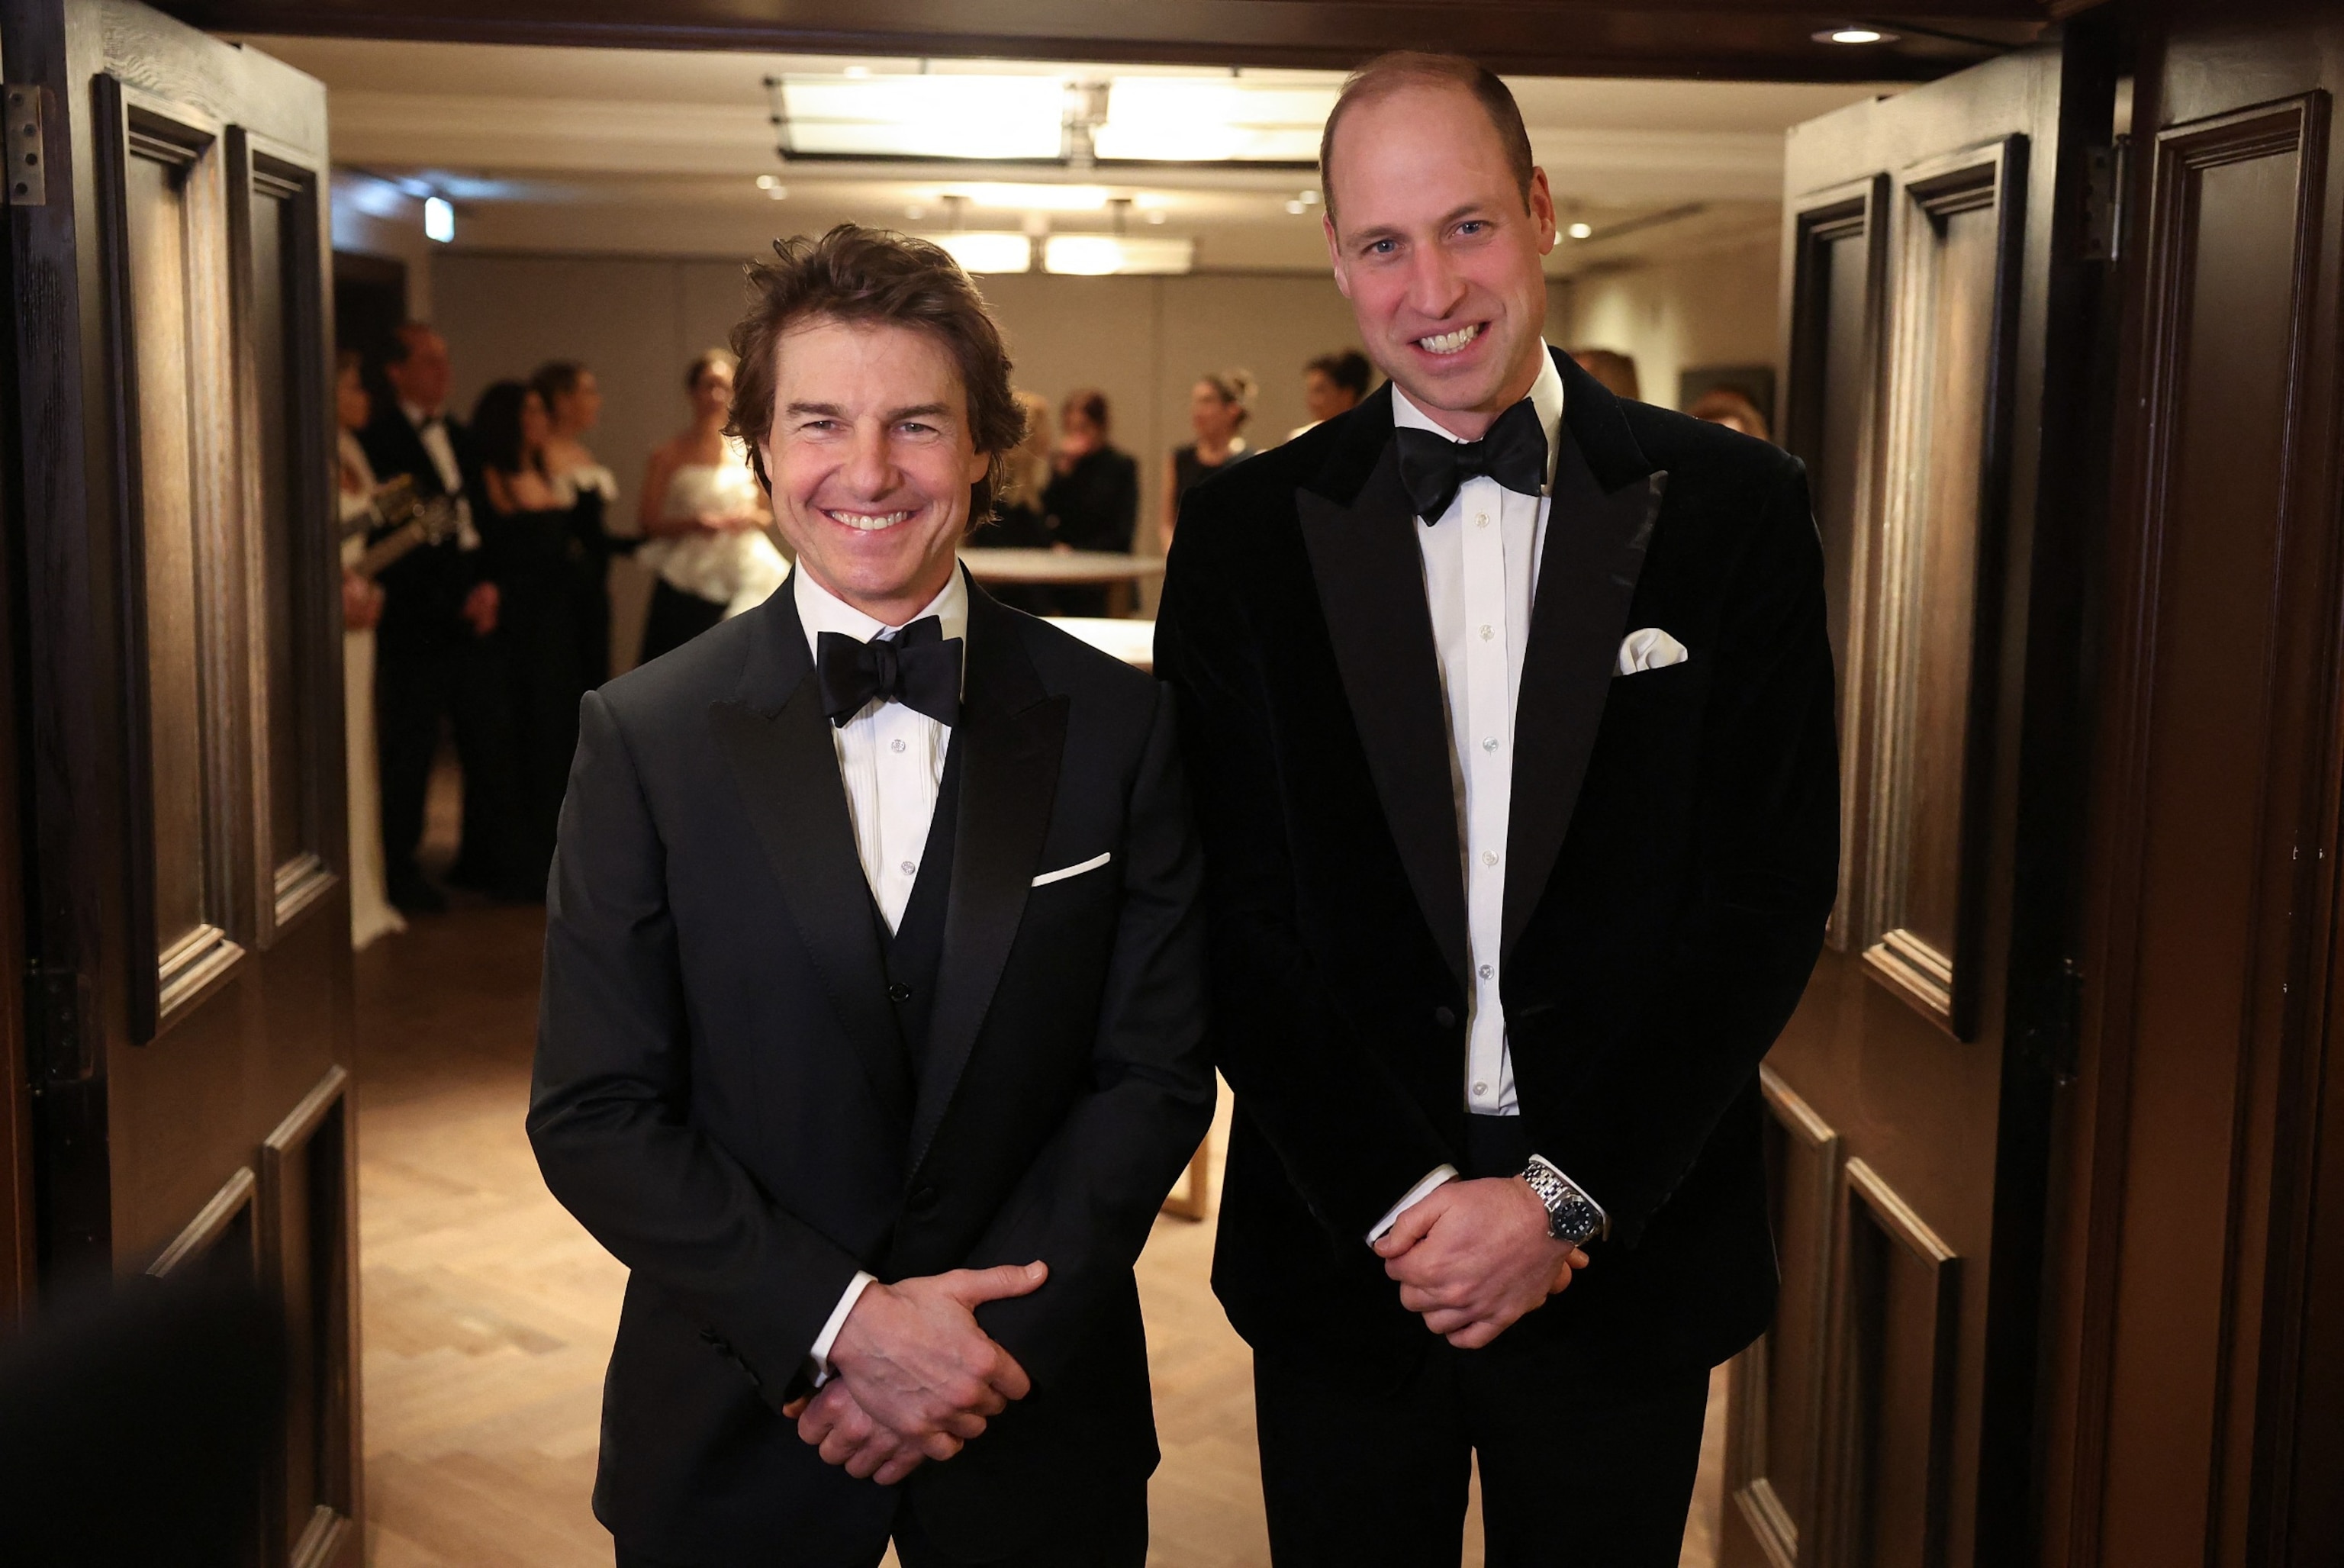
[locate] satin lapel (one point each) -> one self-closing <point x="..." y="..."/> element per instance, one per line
<point x="1371" y="577"/>
<point x="1595" y="552"/>
<point x="786" y="765"/>
<point x="1013" y="734"/>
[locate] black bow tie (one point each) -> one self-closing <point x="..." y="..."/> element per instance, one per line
<point x="918" y="667"/>
<point x="1432" y="466"/>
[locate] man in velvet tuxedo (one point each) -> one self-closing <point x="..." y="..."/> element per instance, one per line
<point x="872" y="1026"/>
<point x="1508" y="707"/>
<point x="436" y="654"/>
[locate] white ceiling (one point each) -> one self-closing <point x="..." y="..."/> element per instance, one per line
<point x="658" y="152"/>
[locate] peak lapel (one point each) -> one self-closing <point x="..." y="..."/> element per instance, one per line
<point x="786" y="765"/>
<point x="1370" y="579"/>
<point x="1595" y="552"/>
<point x="1012" y="735"/>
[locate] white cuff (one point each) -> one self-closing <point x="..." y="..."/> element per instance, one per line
<point x="1605" y="1229"/>
<point x="818" y="1359"/>
<point x="1410" y="1198"/>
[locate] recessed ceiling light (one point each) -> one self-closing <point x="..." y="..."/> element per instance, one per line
<point x="766" y="182"/>
<point x="1310" y="197"/>
<point x="1297" y="208"/>
<point x="858" y="71"/>
<point x="1158" y="216"/>
<point x="778" y="192"/>
<point x="1578" y="231"/>
<point x="915" y="213"/>
<point x="1855" y="35"/>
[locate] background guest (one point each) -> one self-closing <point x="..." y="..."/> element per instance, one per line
<point x="1333" y="384"/>
<point x="1092" y="502"/>
<point x="1616" y="371"/>
<point x="434" y="658"/>
<point x="1018" y="522"/>
<point x="529" y="531"/>
<point x="573" y="406"/>
<point x="705" y="516"/>
<point x="1724" y="405"/>
<point x="1218" y="406"/>
<point x="371" y="912"/>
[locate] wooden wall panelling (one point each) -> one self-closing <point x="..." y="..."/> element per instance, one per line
<point x="1837" y="250"/>
<point x="1896" y="1316"/>
<point x="180" y="543"/>
<point x="2216" y="860"/>
<point x="221" y="1235"/>
<point x="308" y="1213"/>
<point x="19" y="1225"/>
<point x="1958" y="225"/>
<point x="1775" y="1441"/>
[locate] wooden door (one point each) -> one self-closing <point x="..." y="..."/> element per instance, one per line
<point x="180" y="742"/>
<point x="1933" y="293"/>
<point x="2199" y="1386"/>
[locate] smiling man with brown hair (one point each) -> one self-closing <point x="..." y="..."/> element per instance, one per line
<point x="872" y="1031"/>
<point x="1508" y="706"/>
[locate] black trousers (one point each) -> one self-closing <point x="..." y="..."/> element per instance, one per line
<point x="422" y="675"/>
<point x="1115" y="1537"/>
<point x="1584" y="1461"/>
<point x="674" y="618"/>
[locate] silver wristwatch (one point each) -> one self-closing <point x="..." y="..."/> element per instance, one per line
<point x="1571" y="1216"/>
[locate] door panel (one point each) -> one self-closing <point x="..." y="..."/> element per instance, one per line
<point x="189" y="925"/>
<point x="2196" y="1328"/>
<point x="1919" y="258"/>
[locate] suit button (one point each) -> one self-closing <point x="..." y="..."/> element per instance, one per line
<point x="899" y="992"/>
<point x="923" y="1201"/>
<point x="1445" y="1017"/>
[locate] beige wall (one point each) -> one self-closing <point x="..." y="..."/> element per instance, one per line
<point x="1718" y="308"/>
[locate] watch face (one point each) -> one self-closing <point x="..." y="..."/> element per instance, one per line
<point x="1575" y="1221"/>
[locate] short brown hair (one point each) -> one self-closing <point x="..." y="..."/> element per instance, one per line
<point x="1386" y="74"/>
<point x="873" y="275"/>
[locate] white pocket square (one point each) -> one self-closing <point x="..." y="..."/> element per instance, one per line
<point x="1093" y="863"/>
<point x="1651" y="649"/>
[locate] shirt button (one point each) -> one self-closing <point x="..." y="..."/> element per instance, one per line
<point x="899" y="992"/>
<point x="1486" y="633"/>
<point x="1488" y="857"/>
<point x="1481" y="1088"/>
<point x="894" y="745"/>
<point x="1481" y="520"/>
<point x="908" y="868"/>
<point x="1487" y="970"/>
<point x="1489" y="744"/>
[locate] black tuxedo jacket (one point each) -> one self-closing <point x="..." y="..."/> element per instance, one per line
<point x="424" y="589"/>
<point x="1672" y="853"/>
<point x="720" y="1093"/>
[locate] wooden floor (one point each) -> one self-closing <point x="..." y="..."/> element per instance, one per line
<point x="488" y="1313"/>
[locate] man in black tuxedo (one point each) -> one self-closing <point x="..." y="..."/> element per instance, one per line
<point x="1507" y="705"/>
<point x="873" y="1028"/>
<point x="435" y="650"/>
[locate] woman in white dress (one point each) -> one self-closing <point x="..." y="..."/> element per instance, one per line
<point x="705" y="520"/>
<point x="573" y="406"/>
<point x="371" y="914"/>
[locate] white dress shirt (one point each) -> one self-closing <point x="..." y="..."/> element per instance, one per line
<point x="891" y="759"/>
<point x="1481" y="560"/>
<point x="431" y="429"/>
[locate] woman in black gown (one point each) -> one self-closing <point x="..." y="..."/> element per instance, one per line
<point x="1093" y="499"/>
<point x="529" y="532"/>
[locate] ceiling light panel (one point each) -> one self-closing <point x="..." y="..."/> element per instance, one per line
<point x="1005" y="195"/>
<point x="979" y="251"/>
<point x="925" y="116"/>
<point x="1174" y="119"/>
<point x="1099" y="255"/>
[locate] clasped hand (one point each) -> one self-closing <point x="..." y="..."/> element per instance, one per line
<point x="913" y="1376"/>
<point x="1472" y="1257"/>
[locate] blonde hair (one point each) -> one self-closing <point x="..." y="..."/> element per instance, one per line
<point x="1232" y="386"/>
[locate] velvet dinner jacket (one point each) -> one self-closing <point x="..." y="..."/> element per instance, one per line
<point x="722" y="1099"/>
<point x="1671" y="858"/>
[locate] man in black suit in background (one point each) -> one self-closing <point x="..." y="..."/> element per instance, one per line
<point x="435" y="650"/>
<point x="873" y="1028"/>
<point x="1508" y="710"/>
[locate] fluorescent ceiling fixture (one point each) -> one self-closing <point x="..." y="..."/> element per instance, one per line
<point x="1187" y="120"/>
<point x="926" y="117"/>
<point x="1098" y="255"/>
<point x="1854" y="35"/>
<point x="1579" y="231"/>
<point x="1012" y="197"/>
<point x="982" y="252"/>
<point x="439" y="220"/>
